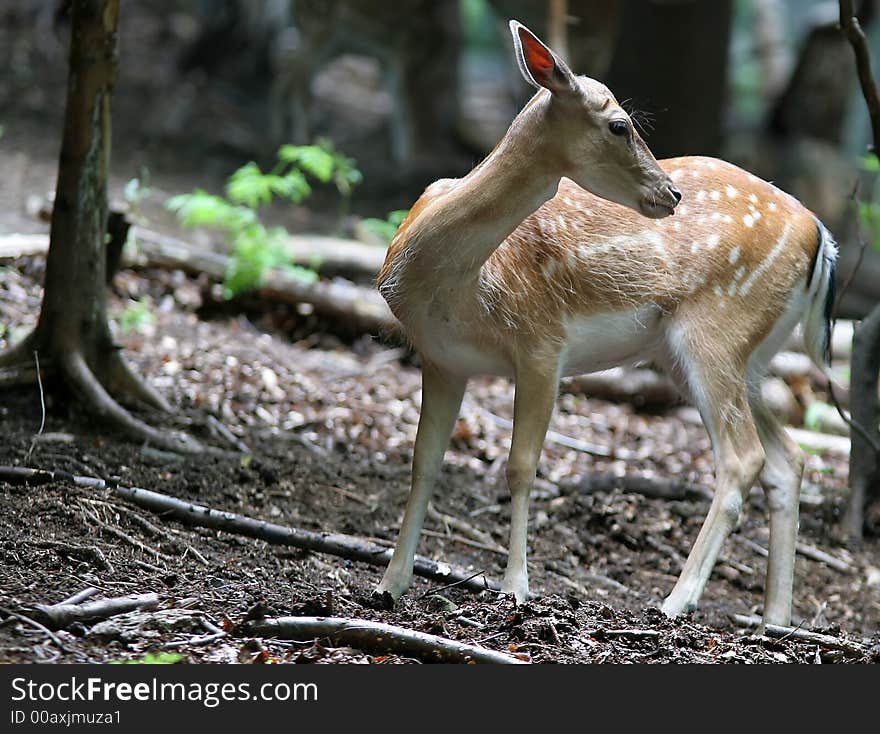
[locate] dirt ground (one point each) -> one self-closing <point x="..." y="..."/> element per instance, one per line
<point x="330" y="419"/>
<point x="330" y="422"/>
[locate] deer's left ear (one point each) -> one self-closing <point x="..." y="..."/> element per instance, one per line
<point x="538" y="64"/>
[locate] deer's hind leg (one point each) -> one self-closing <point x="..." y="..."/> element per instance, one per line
<point x="716" y="381"/>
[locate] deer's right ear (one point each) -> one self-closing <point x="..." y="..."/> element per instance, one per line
<point x="538" y="64"/>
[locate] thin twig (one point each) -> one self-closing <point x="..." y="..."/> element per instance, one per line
<point x="42" y="408"/>
<point x="464" y="541"/>
<point x="795" y="634"/>
<point x="336" y="544"/>
<point x="450" y="586"/>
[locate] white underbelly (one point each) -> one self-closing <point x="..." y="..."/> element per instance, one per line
<point x="601" y="341"/>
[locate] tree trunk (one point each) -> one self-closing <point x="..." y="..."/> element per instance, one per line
<point x="72" y="332"/>
<point x="671" y="62"/>
<point x="863" y="512"/>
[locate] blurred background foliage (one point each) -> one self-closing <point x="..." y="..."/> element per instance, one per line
<point x="415" y="90"/>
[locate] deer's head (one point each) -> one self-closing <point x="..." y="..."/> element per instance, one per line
<point x="588" y="136"/>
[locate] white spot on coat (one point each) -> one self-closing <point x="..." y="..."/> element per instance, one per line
<point x="731" y="192"/>
<point x="713" y="241"/>
<point x="734" y="255"/>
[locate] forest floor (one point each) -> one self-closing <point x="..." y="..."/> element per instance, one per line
<point x="330" y="418"/>
<point x="330" y="421"/>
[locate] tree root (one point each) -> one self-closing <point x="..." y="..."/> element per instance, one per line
<point x="122" y="381"/>
<point x="19" y="356"/>
<point x="77" y="374"/>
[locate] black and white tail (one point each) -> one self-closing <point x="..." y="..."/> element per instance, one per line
<point x="817" y="318"/>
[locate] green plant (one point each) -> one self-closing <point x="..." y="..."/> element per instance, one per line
<point x="386" y="228"/>
<point x="135" y="316"/>
<point x="154" y="658"/>
<point x="869" y="210"/>
<point x="256" y="247"/>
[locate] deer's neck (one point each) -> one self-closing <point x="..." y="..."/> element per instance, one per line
<point x="459" y="229"/>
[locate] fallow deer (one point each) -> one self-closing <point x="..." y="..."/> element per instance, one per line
<point x="557" y="255"/>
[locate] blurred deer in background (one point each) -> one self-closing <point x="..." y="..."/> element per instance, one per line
<point x="557" y="255"/>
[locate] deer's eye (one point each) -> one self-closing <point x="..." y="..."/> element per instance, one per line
<point x="618" y="127"/>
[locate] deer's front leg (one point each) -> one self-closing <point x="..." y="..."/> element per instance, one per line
<point x="441" y="400"/>
<point x="536" y="388"/>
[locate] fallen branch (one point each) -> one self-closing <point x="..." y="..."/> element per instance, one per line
<point x="359" y="306"/>
<point x="655" y="487"/>
<point x="778" y="632"/>
<point x="36" y="625"/>
<point x="642" y="387"/>
<point x="813" y="441"/>
<point x="335" y="544"/>
<point x="376" y="637"/>
<point x="636" y="634"/>
<point x="586" y="447"/>
<point x="79" y="597"/>
<point x="815" y="554"/>
<point x="802" y="549"/>
<point x="59" y="616"/>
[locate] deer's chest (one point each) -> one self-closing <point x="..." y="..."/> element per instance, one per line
<point x="447" y="330"/>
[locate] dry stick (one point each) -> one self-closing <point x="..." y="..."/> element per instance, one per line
<point x="122" y="535"/>
<point x="34" y="623"/>
<point x="816" y="554"/>
<point x="464" y="541"/>
<point x="59" y="616"/>
<point x="214" y="634"/>
<point x="634" y="633"/>
<point x="586" y="447"/>
<point x="655" y="487"/>
<point x="153" y="530"/>
<point x="431" y="592"/>
<point x="807" y="551"/>
<point x="79" y="597"/>
<point x="779" y="632"/>
<point x="335" y="544"/>
<point x="377" y="637"/>
<point x="234" y="440"/>
<point x="466" y="529"/>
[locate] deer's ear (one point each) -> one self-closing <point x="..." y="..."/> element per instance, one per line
<point x="538" y="64"/>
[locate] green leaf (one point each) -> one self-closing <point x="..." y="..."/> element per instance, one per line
<point x="815" y="412"/>
<point x="302" y="274"/>
<point x="292" y="186"/>
<point x="135" y="316"/>
<point x="386" y="228"/>
<point x="312" y="159"/>
<point x="155" y="658"/>
<point x="201" y="209"/>
<point x="871" y="163"/>
<point x="250" y="186"/>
